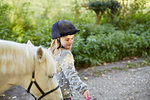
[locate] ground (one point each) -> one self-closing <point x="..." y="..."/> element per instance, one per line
<point x="118" y="81"/>
<point x="123" y="80"/>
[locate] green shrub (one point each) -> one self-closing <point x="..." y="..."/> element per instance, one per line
<point x="102" y="48"/>
<point x="5" y="27"/>
<point x="94" y="44"/>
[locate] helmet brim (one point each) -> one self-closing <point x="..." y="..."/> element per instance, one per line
<point x="69" y="33"/>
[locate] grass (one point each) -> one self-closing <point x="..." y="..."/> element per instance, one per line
<point x="128" y="66"/>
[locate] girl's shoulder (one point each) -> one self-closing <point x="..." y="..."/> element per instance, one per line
<point x="66" y="52"/>
<point x="65" y="56"/>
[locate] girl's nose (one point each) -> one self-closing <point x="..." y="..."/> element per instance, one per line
<point x="71" y="41"/>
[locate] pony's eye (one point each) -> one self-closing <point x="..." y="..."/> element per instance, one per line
<point x="50" y="76"/>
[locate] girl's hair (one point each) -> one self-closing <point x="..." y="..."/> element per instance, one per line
<point x="54" y="47"/>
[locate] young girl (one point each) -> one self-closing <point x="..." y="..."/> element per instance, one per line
<point x="63" y="35"/>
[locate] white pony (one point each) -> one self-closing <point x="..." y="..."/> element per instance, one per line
<point x="19" y="61"/>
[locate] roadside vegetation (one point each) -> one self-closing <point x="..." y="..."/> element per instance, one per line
<point x="128" y="65"/>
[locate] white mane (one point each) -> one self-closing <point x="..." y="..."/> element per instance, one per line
<point x="17" y="58"/>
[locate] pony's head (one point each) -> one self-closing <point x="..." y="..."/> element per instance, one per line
<point x="45" y="68"/>
<point x="43" y="58"/>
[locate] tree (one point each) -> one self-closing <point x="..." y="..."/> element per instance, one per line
<point x="114" y="8"/>
<point x="99" y="7"/>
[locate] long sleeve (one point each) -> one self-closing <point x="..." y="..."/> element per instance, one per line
<point x="67" y="65"/>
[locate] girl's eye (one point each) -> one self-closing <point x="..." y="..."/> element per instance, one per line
<point x="67" y="39"/>
<point x="70" y="39"/>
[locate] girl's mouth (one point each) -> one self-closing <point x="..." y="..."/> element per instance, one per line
<point x="69" y="45"/>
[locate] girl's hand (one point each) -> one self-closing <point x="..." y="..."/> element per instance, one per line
<point x="86" y="95"/>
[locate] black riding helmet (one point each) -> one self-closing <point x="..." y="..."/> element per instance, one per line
<point x="63" y="28"/>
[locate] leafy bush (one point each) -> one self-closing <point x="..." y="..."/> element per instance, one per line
<point x="113" y="46"/>
<point x="5" y="26"/>
<point x="94" y="44"/>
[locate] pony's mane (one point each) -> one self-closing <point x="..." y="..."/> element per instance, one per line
<point x="16" y="57"/>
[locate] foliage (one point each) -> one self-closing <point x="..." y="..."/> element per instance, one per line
<point x="5" y="27"/>
<point x="126" y="36"/>
<point x="17" y="24"/>
<point x="137" y="6"/>
<point x="76" y="8"/>
<point x="101" y="6"/>
<point x="114" y="8"/>
<point x="130" y="12"/>
<point x="102" y="48"/>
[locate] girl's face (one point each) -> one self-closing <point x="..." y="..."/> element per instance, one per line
<point x="67" y="41"/>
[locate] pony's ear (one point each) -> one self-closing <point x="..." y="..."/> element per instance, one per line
<point x="40" y="54"/>
<point x="29" y="43"/>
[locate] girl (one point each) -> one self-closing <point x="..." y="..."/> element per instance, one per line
<point x="63" y="35"/>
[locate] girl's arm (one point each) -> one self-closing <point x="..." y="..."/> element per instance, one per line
<point x="67" y="65"/>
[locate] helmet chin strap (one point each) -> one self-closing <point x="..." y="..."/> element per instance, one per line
<point x="60" y="46"/>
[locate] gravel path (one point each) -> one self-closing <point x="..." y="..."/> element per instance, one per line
<point x="115" y="84"/>
<point x="133" y="84"/>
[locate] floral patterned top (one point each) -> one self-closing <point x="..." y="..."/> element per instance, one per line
<point x="67" y="76"/>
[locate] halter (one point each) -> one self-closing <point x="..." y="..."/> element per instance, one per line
<point x="33" y="80"/>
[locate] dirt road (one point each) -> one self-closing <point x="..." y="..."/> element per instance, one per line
<point x="131" y="84"/>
